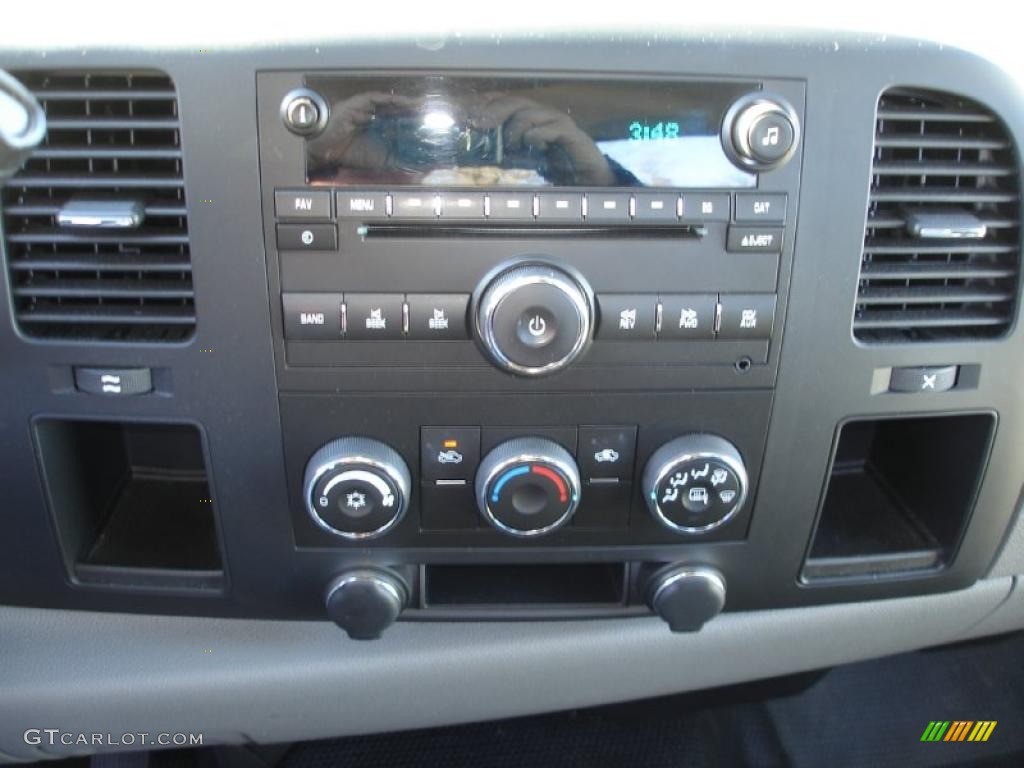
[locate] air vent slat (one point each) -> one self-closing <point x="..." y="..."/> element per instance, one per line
<point x="911" y="168"/>
<point x="111" y="123"/>
<point x="939" y="142"/>
<point x="111" y="136"/>
<point x="77" y="289"/>
<point x="919" y="113"/>
<point x="923" y="270"/>
<point x="128" y="94"/>
<point x="150" y="237"/>
<point x="103" y="153"/>
<point x="898" y="320"/>
<point x="143" y="262"/>
<point x="951" y="195"/>
<point x="96" y="181"/>
<point x="876" y="247"/>
<point x="937" y="295"/>
<point x="111" y="315"/>
<point x="939" y="157"/>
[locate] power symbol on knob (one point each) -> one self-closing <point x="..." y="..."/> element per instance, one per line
<point x="537" y="326"/>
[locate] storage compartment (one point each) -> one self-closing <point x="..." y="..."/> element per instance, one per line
<point x="899" y="495"/>
<point x="524" y="585"/>
<point x="131" y="503"/>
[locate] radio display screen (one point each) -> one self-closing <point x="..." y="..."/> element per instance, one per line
<point x="455" y="131"/>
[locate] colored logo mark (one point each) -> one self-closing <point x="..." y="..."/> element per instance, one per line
<point x="958" y="730"/>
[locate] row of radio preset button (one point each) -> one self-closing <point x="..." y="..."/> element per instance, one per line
<point x="554" y="207"/>
<point x="690" y="317"/>
<point x="375" y="316"/>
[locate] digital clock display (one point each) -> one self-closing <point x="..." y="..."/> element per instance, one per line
<point x="663" y="129"/>
<point x="450" y="131"/>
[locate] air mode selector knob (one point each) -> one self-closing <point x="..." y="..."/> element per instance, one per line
<point x="528" y="486"/>
<point x="695" y="483"/>
<point x="356" y="488"/>
<point x="534" y="318"/>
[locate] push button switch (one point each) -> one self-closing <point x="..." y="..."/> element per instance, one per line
<point x="754" y="240"/>
<point x="374" y="316"/>
<point x="302" y="204"/>
<point x="307" y="237"/>
<point x="449" y="453"/>
<point x="607" y="453"/>
<point x="312" y="316"/>
<point x="114" y="382"/>
<point x="362" y="205"/>
<point x="747" y="316"/>
<point x="627" y="316"/>
<point x="766" y="208"/>
<point x="438" y="316"/>
<point x="923" y="378"/>
<point x="690" y="317"/>
<point x="700" y="208"/>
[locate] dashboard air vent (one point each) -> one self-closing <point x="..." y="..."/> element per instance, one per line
<point x="95" y="223"/>
<point x="942" y="243"/>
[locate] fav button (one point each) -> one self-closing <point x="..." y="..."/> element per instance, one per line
<point x="438" y="316"/>
<point x="374" y="316"/>
<point x="627" y="316"/>
<point x="302" y="204"/>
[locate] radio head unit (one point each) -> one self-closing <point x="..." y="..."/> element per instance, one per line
<point x="457" y="131"/>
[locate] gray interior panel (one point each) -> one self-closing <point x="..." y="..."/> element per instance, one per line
<point x="238" y="681"/>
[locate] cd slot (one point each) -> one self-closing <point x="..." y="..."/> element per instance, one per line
<point x="420" y="230"/>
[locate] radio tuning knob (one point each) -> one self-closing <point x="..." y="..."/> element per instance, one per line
<point x="534" y="318"/>
<point x="760" y="132"/>
<point x="696" y="483"/>
<point x="356" y="488"/>
<point x="528" y="486"/>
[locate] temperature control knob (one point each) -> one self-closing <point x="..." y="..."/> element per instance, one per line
<point x="695" y="483"/>
<point x="760" y="132"/>
<point x="356" y="488"/>
<point x="528" y="486"/>
<point x="533" y="318"/>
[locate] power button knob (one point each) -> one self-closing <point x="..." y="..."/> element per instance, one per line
<point x="533" y="319"/>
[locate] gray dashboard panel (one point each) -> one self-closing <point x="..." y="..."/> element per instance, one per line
<point x="238" y="681"/>
<point x="267" y="681"/>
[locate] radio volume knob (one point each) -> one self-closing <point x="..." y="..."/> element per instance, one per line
<point x="534" y="318"/>
<point x="356" y="488"/>
<point x="760" y="132"/>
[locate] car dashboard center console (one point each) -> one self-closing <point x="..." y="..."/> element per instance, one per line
<point x="426" y="339"/>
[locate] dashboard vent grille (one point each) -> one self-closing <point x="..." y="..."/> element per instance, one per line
<point x="113" y="140"/>
<point x="945" y="165"/>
